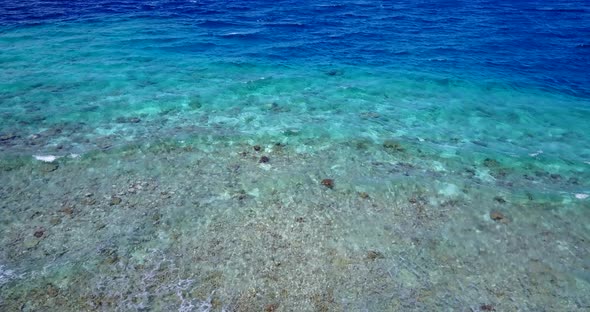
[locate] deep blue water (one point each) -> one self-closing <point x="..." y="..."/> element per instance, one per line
<point x="543" y="43"/>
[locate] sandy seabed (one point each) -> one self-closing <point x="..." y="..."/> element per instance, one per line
<point x="233" y="224"/>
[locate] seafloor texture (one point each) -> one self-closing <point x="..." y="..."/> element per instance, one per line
<point x="197" y="156"/>
<point x="211" y="224"/>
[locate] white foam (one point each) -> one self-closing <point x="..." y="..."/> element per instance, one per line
<point x="582" y="196"/>
<point x="46" y="158"/>
<point x="6" y="275"/>
<point x="450" y="190"/>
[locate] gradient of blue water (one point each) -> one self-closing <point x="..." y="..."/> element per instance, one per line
<point x="474" y="97"/>
<point x="510" y="75"/>
<point x="523" y="42"/>
<point x="496" y="79"/>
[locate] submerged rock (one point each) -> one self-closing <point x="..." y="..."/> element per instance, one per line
<point x="39" y="233"/>
<point x="480" y="143"/>
<point x="51" y="290"/>
<point x="195" y="103"/>
<point x="55" y="221"/>
<point x="110" y="255"/>
<point x="271" y="308"/>
<point x="241" y="195"/>
<point x="334" y="72"/>
<point x="329" y="183"/>
<point x="8" y="137"/>
<point x="573" y="181"/>
<point x="393" y="145"/>
<point x="12" y="163"/>
<point x="88" y="201"/>
<point x="278" y="148"/>
<point x="499" y="174"/>
<point x="369" y="115"/>
<point x="68" y="210"/>
<point x="360" y="144"/>
<point x="274" y="107"/>
<point x="374" y="255"/>
<point x="104" y="145"/>
<point x="498" y="217"/>
<point x="128" y="119"/>
<point x="500" y="199"/>
<point x="491" y="163"/>
<point x="115" y="200"/>
<point x="264" y="160"/>
<point x="49" y="167"/>
<point x="31" y="242"/>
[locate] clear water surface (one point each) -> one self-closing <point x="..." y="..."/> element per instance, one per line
<point x="294" y="155"/>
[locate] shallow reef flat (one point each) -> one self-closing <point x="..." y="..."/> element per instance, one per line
<point x="294" y="156"/>
<point x="240" y="223"/>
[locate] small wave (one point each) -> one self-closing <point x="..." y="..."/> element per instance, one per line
<point x="216" y="24"/>
<point x="392" y="18"/>
<point x="286" y="25"/>
<point x="151" y="41"/>
<point x="239" y="8"/>
<point x="241" y="34"/>
<point x="568" y="10"/>
<point x="329" y="5"/>
<point x="354" y="15"/>
<point x="192" y="47"/>
<point x="211" y="12"/>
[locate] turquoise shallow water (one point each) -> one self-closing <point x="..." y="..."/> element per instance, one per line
<point x="63" y="78"/>
<point x="204" y="164"/>
<point x="77" y="88"/>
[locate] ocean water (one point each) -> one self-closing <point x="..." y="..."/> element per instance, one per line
<point x="294" y="156"/>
